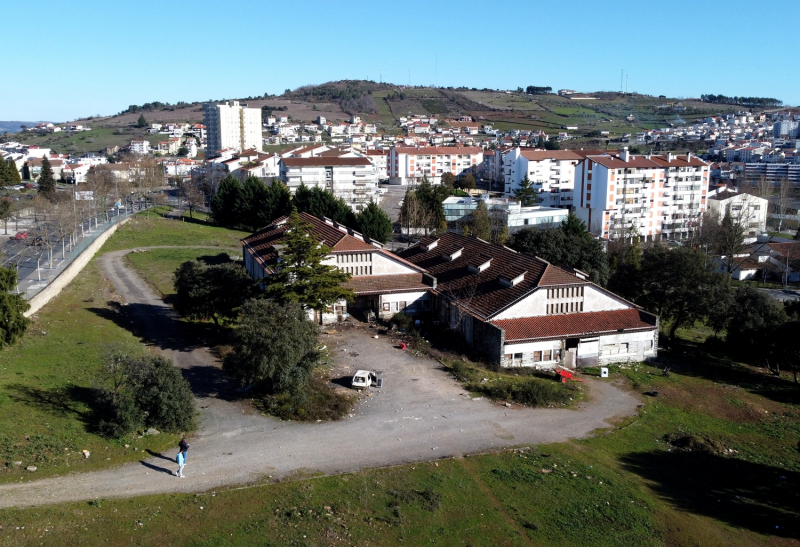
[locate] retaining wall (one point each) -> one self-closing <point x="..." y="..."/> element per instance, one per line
<point x="71" y="271"/>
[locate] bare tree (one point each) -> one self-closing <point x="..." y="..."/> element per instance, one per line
<point x="783" y="200"/>
<point x="193" y="196"/>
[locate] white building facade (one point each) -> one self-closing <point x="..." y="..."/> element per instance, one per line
<point x="231" y="125"/>
<point x="552" y="173"/>
<point x="408" y="165"/>
<point x="355" y="180"/>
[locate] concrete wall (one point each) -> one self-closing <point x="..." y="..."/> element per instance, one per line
<point x="71" y="271"/>
<point x="488" y="340"/>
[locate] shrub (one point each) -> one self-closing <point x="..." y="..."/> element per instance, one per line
<point x="316" y="402"/>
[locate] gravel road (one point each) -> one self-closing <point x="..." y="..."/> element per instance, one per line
<point x="420" y="414"/>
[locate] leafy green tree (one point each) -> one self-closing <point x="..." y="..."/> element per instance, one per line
<point x="678" y="285"/>
<point x="322" y="203"/>
<point x="13" y="173"/>
<point x="224" y="206"/>
<point x="467" y="182"/>
<point x="557" y="247"/>
<point x="47" y="183"/>
<point x="552" y="144"/>
<point x="430" y="199"/>
<point x="526" y="193"/>
<point x="183" y="151"/>
<point x="141" y="122"/>
<point x="143" y="391"/>
<point x="301" y="275"/>
<point x="449" y="180"/>
<point x="275" y="346"/>
<point x="211" y="291"/>
<point x="5" y="175"/>
<point x="374" y="223"/>
<point x="13" y="323"/>
<point x="480" y="226"/>
<point x="753" y="315"/>
<point x="573" y="226"/>
<point x="6" y="210"/>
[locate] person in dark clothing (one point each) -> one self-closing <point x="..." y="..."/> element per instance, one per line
<point x="183" y="446"/>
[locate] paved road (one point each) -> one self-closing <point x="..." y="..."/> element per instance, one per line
<point x="782" y="295"/>
<point x="421" y="414"/>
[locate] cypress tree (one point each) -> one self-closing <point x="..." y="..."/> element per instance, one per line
<point x="374" y="223"/>
<point x="47" y="183"/>
<point x="13" y="173"/>
<point x="480" y="226"/>
<point x="142" y="122"/>
<point x="12" y="306"/>
<point x="5" y="178"/>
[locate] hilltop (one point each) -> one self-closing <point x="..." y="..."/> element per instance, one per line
<point x="384" y="103"/>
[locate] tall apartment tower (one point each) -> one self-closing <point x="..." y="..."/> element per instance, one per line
<point x="231" y="125"/>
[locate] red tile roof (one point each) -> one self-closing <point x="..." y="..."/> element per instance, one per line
<point x="576" y="324"/>
<point x="539" y="155"/>
<point x="679" y="161"/>
<point x="482" y="293"/>
<point x="437" y="150"/>
<point x="387" y="284"/>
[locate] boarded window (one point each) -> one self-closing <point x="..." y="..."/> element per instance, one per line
<point x="546" y="355"/>
<point x="537" y="356"/>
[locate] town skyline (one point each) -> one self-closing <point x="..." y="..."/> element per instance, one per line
<point x="578" y="47"/>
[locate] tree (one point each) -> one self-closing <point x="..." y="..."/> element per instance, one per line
<point x="193" y="196"/>
<point x="449" y="180"/>
<point x="479" y="226"/>
<point x="275" y="346"/>
<point x="47" y="183"/>
<point x="211" y="291"/>
<point x="467" y="182"/>
<point x="14" y="177"/>
<point x="142" y="391"/>
<point x="573" y="226"/>
<point x="322" y="203"/>
<point x="552" y="144"/>
<point x="526" y="194"/>
<point x="430" y="200"/>
<point x="5" y="175"/>
<point x="753" y="315"/>
<point x="374" y="223"/>
<point x="141" y="122"/>
<point x="183" y="151"/>
<point x="677" y="284"/>
<point x="226" y="200"/>
<point x="729" y="241"/>
<point x="6" y="210"/>
<point x="301" y="275"/>
<point x="13" y="323"/>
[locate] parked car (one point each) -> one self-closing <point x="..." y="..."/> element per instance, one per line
<point x="363" y="379"/>
<point x="29" y="185"/>
<point x="21" y="235"/>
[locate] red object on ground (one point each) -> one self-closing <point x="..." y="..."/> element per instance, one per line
<point x="402" y="345"/>
<point x="565" y="375"/>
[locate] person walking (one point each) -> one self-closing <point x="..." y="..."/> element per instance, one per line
<point x="183" y="446"/>
<point x="181" y="460"/>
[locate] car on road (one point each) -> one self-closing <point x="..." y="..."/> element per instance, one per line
<point x="363" y="379"/>
<point x="29" y="185"/>
<point x="21" y="235"/>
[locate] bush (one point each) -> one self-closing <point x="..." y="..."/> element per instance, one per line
<point x="318" y="401"/>
<point x="145" y="392"/>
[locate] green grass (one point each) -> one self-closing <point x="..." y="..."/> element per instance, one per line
<point x="141" y="232"/>
<point x="158" y="265"/>
<point x="88" y="141"/>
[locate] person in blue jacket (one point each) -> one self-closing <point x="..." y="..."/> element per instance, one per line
<point x="181" y="459"/>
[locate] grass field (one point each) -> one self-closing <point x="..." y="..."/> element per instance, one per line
<point x="88" y="141"/>
<point x="158" y="265"/>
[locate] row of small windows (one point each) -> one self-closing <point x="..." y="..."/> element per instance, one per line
<point x="565" y="292"/>
<point x="564" y="307"/>
<point x="357" y="270"/>
<point x="353" y="258"/>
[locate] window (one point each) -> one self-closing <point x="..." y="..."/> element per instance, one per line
<point x="537" y="356"/>
<point x="546" y="355"/>
<point x="387" y="306"/>
<point x="402" y="305"/>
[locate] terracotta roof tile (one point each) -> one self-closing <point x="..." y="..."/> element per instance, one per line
<point x="539" y="155"/>
<point x="386" y="284"/>
<point x="324" y="161"/>
<point x="576" y="324"/>
<point x="482" y="293"/>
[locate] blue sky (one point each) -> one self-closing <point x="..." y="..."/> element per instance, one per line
<point x="75" y="59"/>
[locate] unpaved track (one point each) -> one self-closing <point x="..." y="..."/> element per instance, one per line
<point x="421" y="414"/>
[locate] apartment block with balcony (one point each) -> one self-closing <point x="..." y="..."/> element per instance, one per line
<point x="409" y="165"/>
<point x="355" y="180"/>
<point x="552" y="173"/>
<point x="655" y="196"/>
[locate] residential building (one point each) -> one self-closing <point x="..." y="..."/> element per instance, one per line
<point x="231" y="125"/>
<point x="141" y="147"/>
<point x="552" y="173"/>
<point x="745" y="209"/>
<point x="379" y="158"/>
<point x="383" y="283"/>
<point x="519" y="310"/>
<point x="408" y="165"/>
<point x="654" y="196"/>
<point x="773" y="173"/>
<point x="510" y="213"/>
<point x="354" y="179"/>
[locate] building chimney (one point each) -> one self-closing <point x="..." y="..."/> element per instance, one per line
<point x="623" y="154"/>
<point x="670" y="156"/>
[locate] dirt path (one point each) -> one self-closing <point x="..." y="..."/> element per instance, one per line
<point x="421" y="414"/>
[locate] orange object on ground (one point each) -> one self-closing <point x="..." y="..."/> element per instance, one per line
<point x="402" y="345"/>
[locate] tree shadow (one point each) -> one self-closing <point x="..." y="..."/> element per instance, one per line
<point x="61" y="401"/>
<point x="215" y="260"/>
<point x="753" y="496"/>
<point x="696" y="361"/>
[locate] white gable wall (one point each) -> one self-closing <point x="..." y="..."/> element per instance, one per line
<point x="596" y="300"/>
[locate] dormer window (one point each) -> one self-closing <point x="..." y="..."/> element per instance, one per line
<point x="454" y="255"/>
<point x="511" y="281"/>
<point x="478" y="267"/>
<point x="428" y="246"/>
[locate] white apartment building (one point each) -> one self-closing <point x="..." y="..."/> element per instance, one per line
<point x="662" y="197"/>
<point x="355" y="180"/>
<point x="379" y="158"/>
<point x="552" y="173"/>
<point x="748" y="210"/>
<point x="408" y="165"/>
<point x="231" y="125"/>
<point x="140" y="147"/>
<point x="513" y="215"/>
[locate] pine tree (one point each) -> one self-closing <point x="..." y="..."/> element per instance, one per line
<point x="526" y="194"/>
<point x="301" y="275"/>
<point x="374" y="223"/>
<point x="142" y="122"/>
<point x="480" y="226"/>
<point x="225" y="202"/>
<point x="47" y="183"/>
<point x="12" y="307"/>
<point x="5" y="175"/>
<point x="14" y="177"/>
<point x="322" y="203"/>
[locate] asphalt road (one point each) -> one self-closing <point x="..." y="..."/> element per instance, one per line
<point x="420" y="414"/>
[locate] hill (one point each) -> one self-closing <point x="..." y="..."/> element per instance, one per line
<point x="384" y="103"/>
<point x="13" y="127"/>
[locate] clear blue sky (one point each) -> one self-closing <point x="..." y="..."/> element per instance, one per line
<point x="80" y="58"/>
